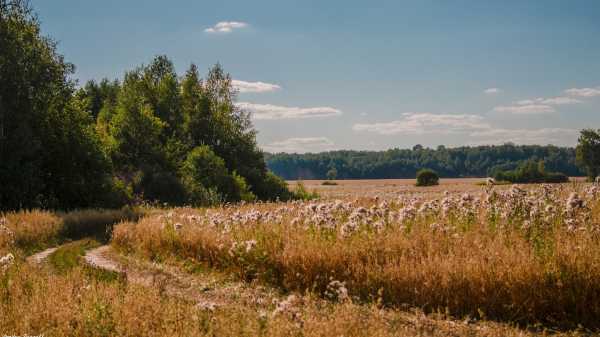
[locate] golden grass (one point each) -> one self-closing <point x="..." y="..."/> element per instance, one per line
<point x="550" y="277"/>
<point x="34" y="301"/>
<point x="37" y="229"/>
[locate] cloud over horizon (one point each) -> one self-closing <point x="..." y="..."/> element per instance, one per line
<point x="424" y="122"/>
<point x="300" y="145"/>
<point x="272" y="112"/>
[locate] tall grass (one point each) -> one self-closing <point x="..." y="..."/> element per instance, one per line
<point x="37" y="229"/>
<point x="34" y="301"/>
<point x="478" y="271"/>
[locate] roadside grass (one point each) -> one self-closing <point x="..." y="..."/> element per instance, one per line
<point x="34" y="230"/>
<point x="38" y="301"/>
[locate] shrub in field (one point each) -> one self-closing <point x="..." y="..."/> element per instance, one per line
<point x="531" y="172"/>
<point x="427" y="177"/>
<point x="204" y="170"/>
<point x="301" y="193"/>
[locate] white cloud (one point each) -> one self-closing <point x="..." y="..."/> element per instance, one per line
<point x="270" y="112"/>
<point x="422" y="123"/>
<point x="475" y="127"/>
<point x="492" y="91"/>
<point x="256" y="87"/>
<point x="526" y="108"/>
<point x="225" y="27"/>
<point x="555" y="136"/>
<point x="561" y="100"/>
<point x="301" y="145"/>
<point x="583" y="92"/>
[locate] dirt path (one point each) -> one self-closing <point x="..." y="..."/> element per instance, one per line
<point x="98" y="258"/>
<point x="208" y="289"/>
<point x="41" y="256"/>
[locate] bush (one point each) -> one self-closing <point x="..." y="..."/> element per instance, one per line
<point x="301" y="193"/>
<point x="273" y="187"/>
<point x="531" y="172"/>
<point x="427" y="177"/>
<point x="164" y="187"/>
<point x="207" y="180"/>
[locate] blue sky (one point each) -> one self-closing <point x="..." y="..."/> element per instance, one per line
<point x="363" y="74"/>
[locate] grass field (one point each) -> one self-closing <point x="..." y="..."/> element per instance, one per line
<point x="369" y="258"/>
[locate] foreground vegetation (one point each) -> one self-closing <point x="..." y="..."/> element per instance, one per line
<point x="528" y="257"/>
<point x="30" y="231"/>
<point x="81" y="304"/>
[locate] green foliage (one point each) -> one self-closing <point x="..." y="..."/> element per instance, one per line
<point x="332" y="173"/>
<point x="274" y="188"/>
<point x="427" y="177"/>
<point x="50" y="155"/>
<point x="479" y="161"/>
<point x="531" y="172"/>
<point x="301" y="193"/>
<point x="588" y="152"/>
<point x="152" y="136"/>
<point x="204" y="170"/>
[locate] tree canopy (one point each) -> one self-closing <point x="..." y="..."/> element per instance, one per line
<point x="478" y="161"/>
<point x="151" y="136"/>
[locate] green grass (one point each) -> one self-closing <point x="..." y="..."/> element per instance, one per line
<point x="69" y="256"/>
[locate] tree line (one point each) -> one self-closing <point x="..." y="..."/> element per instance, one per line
<point x="466" y="161"/>
<point x="151" y="136"/>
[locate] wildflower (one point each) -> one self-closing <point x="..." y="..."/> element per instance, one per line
<point x="490" y="181"/>
<point x="177" y="226"/>
<point x="337" y="291"/>
<point x="574" y="202"/>
<point x="250" y="244"/>
<point x="289" y="306"/>
<point x="6" y="260"/>
<point x="207" y="305"/>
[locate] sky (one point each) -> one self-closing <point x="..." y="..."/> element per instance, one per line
<point x="363" y="75"/>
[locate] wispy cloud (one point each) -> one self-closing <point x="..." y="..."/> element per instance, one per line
<point x="225" y="27"/>
<point x="525" y="109"/>
<point x="492" y="91"/>
<point x="423" y="123"/>
<point x="270" y="112"/>
<point x="254" y="87"/>
<point x="583" y="92"/>
<point x="561" y="100"/>
<point x="555" y="136"/>
<point x="301" y="145"/>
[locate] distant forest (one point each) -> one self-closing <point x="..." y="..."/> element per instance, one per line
<point x="478" y="161"/>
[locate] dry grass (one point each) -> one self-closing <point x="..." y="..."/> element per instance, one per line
<point x="34" y="301"/>
<point x="34" y="230"/>
<point x="513" y="269"/>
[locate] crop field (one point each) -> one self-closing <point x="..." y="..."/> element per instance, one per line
<point x="367" y="258"/>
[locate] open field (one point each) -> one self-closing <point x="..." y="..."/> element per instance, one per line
<point x="394" y="187"/>
<point x="370" y="258"/>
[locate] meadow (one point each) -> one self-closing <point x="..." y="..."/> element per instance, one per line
<point x="367" y="258"/>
